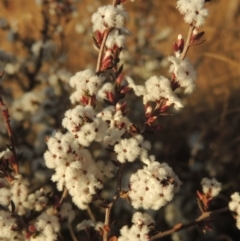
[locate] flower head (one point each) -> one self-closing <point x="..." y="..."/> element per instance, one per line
<point x="193" y="11"/>
<point x="139" y="230"/>
<point x="234" y="206"/>
<point x="155" y="89"/>
<point x="129" y="149"/>
<point x="109" y="17"/>
<point x="184" y="73"/>
<point x="153" y="186"/>
<point x="211" y="187"/>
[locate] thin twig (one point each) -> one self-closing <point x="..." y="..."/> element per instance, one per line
<point x="101" y="50"/>
<point x="39" y="62"/>
<point x="90" y="214"/>
<point x="64" y="194"/>
<point x="6" y="118"/>
<point x="180" y="226"/>
<point x="73" y="236"/>
<point x="188" y="42"/>
<point x="106" y="229"/>
<point x="116" y="2"/>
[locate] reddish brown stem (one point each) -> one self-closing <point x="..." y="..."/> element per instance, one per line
<point x="180" y="226"/>
<point x="188" y="42"/>
<point x="101" y="50"/>
<point x="6" y="118"/>
<point x="116" y="2"/>
<point x="106" y="229"/>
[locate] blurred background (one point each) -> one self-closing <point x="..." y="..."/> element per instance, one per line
<point x="43" y="45"/>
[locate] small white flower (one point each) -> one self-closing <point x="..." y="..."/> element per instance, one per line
<point x="139" y="90"/>
<point x="142" y="218"/>
<point x="6" y="223"/>
<point x="109" y="17"/>
<point x="103" y="92"/>
<point x="87" y="134"/>
<point x="139" y="230"/>
<point x="48" y="227"/>
<point x="86" y="83"/>
<point x="184" y="73"/>
<point x="211" y="187"/>
<point x="118" y="124"/>
<point x="37" y="201"/>
<point x="117" y="38"/>
<point x="193" y="11"/>
<point x="234" y="206"/>
<point x="155" y="89"/>
<point x="5" y="196"/>
<point x="19" y="193"/>
<point x="129" y="149"/>
<point x="76" y="117"/>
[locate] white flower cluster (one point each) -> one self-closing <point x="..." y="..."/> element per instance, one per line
<point x="7" y="225"/>
<point x="128" y="150"/>
<point x="184" y="73"/>
<point x="211" y="187"/>
<point x="234" y="206"/>
<point x="153" y="186"/>
<point x="74" y="168"/>
<point x="117" y="37"/>
<point x="37" y="201"/>
<point x="87" y="126"/>
<point x="193" y="11"/>
<point x="109" y="17"/>
<point x="18" y="193"/>
<point x="47" y="227"/>
<point x="107" y="89"/>
<point x="118" y="124"/>
<point x="84" y="124"/>
<point x="155" y="89"/>
<point x="139" y="230"/>
<point x="86" y="83"/>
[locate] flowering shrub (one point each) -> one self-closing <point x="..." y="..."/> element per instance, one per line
<point x="96" y="142"/>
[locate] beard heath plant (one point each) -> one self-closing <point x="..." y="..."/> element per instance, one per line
<point x="99" y="120"/>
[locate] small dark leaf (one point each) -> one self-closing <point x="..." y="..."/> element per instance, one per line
<point x="12" y="206"/>
<point x="116" y="163"/>
<point x="20" y="156"/>
<point x="120" y="70"/>
<point x="195" y="43"/>
<point x="198" y="36"/>
<point x="110" y="67"/>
